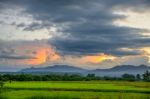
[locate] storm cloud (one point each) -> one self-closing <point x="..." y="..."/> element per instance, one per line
<point x="83" y="27"/>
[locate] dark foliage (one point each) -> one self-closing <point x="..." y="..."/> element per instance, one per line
<point x="146" y="76"/>
<point x="128" y="77"/>
<point x="71" y="77"/>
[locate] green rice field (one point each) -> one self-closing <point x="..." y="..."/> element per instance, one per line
<point x="76" y="90"/>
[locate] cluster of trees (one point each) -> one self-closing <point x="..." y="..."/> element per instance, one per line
<point x="138" y="77"/>
<point x="72" y="77"/>
<point x="50" y="77"/>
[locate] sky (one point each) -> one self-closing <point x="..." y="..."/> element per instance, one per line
<point x="90" y="34"/>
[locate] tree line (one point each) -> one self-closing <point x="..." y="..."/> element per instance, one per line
<point x="72" y="77"/>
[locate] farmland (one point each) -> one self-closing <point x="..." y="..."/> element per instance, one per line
<point x="75" y="90"/>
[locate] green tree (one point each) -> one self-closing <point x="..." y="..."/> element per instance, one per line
<point x="146" y="76"/>
<point x="91" y="75"/>
<point x="128" y="77"/>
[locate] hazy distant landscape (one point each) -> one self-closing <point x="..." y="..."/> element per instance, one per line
<point x="116" y="71"/>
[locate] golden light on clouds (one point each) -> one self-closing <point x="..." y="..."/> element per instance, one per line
<point x="42" y="53"/>
<point x="95" y="59"/>
<point x="40" y="57"/>
<point x="146" y="51"/>
<point x="87" y="61"/>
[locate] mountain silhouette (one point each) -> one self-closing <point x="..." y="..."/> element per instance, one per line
<point x="114" y="71"/>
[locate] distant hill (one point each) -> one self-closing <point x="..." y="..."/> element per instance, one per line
<point x="115" y="71"/>
<point x="125" y="68"/>
<point x="120" y="70"/>
<point x="55" y="68"/>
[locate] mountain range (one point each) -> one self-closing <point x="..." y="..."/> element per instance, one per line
<point x="114" y="71"/>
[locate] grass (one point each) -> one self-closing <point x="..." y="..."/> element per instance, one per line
<point x="76" y="90"/>
<point x="28" y="94"/>
<point x="98" y="86"/>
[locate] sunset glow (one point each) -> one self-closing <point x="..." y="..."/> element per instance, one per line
<point x="97" y="58"/>
<point x="40" y="58"/>
<point x="146" y="51"/>
<point x="41" y="53"/>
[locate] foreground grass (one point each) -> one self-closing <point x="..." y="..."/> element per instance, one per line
<point x="96" y="86"/>
<point x="76" y="90"/>
<point x="28" y="94"/>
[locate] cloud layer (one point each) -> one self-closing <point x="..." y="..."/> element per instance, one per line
<point x="80" y="27"/>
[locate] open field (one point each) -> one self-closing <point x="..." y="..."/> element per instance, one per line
<point x="28" y="94"/>
<point x="76" y="90"/>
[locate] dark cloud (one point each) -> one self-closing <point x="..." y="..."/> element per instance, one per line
<point x="70" y="46"/>
<point x="16" y="57"/>
<point x="86" y="24"/>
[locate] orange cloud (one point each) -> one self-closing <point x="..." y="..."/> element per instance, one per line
<point x="97" y="58"/>
<point x="42" y="53"/>
<point x="40" y="57"/>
